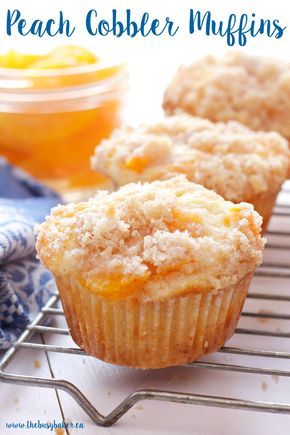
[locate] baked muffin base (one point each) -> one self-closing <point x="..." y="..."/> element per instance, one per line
<point x="151" y="334"/>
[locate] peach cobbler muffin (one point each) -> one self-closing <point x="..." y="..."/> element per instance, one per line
<point x="238" y="163"/>
<point x="154" y="274"/>
<point x="253" y="90"/>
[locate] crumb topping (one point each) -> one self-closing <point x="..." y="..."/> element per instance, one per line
<point x="231" y="159"/>
<point x="254" y="90"/>
<point x="152" y="240"/>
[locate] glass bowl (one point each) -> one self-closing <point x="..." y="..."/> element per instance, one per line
<point x="51" y="120"/>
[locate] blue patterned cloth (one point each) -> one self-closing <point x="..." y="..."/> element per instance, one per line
<point x="25" y="285"/>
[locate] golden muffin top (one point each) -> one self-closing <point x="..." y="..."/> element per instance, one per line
<point x="152" y="240"/>
<point x="254" y="90"/>
<point x="231" y="159"/>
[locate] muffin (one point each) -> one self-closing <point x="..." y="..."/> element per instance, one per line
<point x="155" y="274"/>
<point x="253" y="90"/>
<point x="238" y="163"/>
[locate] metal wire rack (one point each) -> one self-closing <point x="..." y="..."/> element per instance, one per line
<point x="267" y="270"/>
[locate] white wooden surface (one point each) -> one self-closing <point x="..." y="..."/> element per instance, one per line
<point x="19" y="403"/>
<point x="106" y="385"/>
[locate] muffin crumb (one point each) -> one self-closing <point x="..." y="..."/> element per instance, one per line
<point x="37" y="364"/>
<point x="264" y="319"/>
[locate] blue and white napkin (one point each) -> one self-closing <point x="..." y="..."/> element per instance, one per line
<point x="25" y="285"/>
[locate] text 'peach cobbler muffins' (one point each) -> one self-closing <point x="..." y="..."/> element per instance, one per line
<point x="154" y="274"/>
<point x="238" y="163"/>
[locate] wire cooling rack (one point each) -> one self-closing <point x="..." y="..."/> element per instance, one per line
<point x="268" y="270"/>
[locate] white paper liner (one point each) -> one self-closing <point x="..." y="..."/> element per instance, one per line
<point x="151" y="334"/>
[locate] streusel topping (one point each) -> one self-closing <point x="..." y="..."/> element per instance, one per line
<point x="231" y="159"/>
<point x="254" y="90"/>
<point x="152" y="240"/>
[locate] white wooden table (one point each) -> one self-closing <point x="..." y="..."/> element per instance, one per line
<point x="106" y="385"/>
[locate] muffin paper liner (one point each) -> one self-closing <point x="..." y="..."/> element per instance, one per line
<point x="151" y="334"/>
<point x="264" y="204"/>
